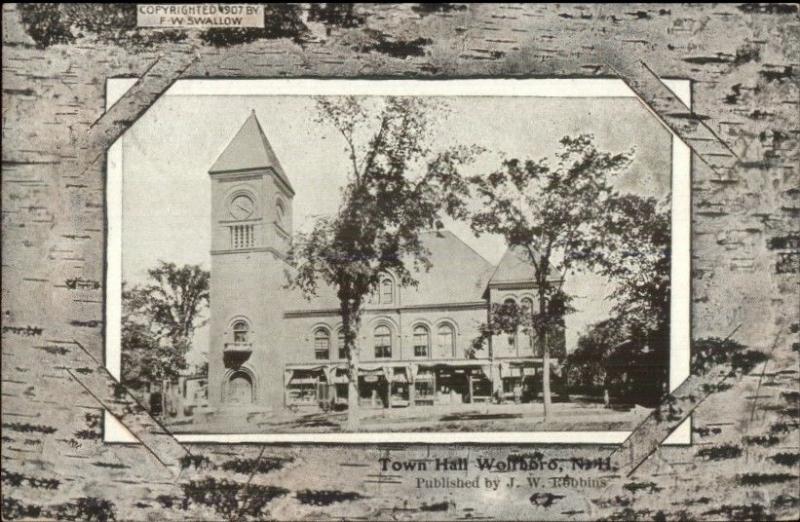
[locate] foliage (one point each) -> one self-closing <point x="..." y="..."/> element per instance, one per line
<point x="553" y="214"/>
<point x="628" y="355"/>
<point x="397" y="189"/>
<point x="511" y="318"/>
<point x="636" y="256"/>
<point x="586" y="365"/>
<point x="201" y="370"/>
<point x="159" y="320"/>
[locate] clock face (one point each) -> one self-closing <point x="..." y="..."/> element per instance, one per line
<point x="242" y="207"/>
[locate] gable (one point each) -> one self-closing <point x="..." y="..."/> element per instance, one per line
<point x="516" y="268"/>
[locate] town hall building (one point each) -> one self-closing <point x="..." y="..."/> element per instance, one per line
<point x="270" y="348"/>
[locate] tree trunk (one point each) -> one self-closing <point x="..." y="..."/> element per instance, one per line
<point x="542" y="331"/>
<point x="545" y="376"/>
<point x="163" y="398"/>
<point x="351" y="329"/>
<point x="352" y="394"/>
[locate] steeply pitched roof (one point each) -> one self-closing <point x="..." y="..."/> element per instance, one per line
<point x="515" y="267"/>
<point x="249" y="150"/>
<point x="458" y="274"/>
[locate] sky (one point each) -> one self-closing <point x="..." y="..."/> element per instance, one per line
<point x="166" y="210"/>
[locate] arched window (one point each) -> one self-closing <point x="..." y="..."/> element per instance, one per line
<point x="387" y="291"/>
<point x="340" y="344"/>
<point x="526" y="305"/>
<point x="383" y="342"/>
<point x="511" y="337"/>
<point x="421" y="341"/>
<point x="322" y="344"/>
<point x="280" y="211"/>
<point x="445" y="342"/>
<point x="241" y="331"/>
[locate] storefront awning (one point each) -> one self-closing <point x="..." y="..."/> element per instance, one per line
<point x="466" y="363"/>
<point x="303" y="380"/>
<point x="399" y="377"/>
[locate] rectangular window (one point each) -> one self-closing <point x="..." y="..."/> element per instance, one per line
<point x="302" y="392"/>
<point x="444" y="346"/>
<point x="423" y="390"/>
<point x="321" y="349"/>
<point x="242" y="236"/>
<point x="420" y="342"/>
<point x="509" y="384"/>
<point x="383" y="351"/>
<point x="383" y="342"/>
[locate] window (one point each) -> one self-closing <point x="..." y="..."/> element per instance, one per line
<point x="241" y="331"/>
<point x="280" y="211"/>
<point x="374" y="296"/>
<point x="512" y="341"/>
<point x="510" y="384"/>
<point x="302" y="388"/>
<point x="386" y="291"/>
<point x="340" y="341"/>
<point x="421" y="341"/>
<point x="526" y="305"/>
<point x="383" y="342"/>
<point x="322" y="344"/>
<point x="242" y="236"/>
<point x="512" y="337"/>
<point x="445" y="342"/>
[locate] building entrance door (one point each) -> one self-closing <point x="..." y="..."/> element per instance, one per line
<point x="240" y="389"/>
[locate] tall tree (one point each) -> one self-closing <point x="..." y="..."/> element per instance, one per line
<point x="173" y="301"/>
<point x="159" y="320"/>
<point x="553" y="214"/>
<point x="635" y="256"/>
<point x="397" y="188"/>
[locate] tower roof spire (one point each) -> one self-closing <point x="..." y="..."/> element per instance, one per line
<point x="250" y="150"/>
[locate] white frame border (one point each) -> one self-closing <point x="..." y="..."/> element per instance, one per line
<point x="680" y="328"/>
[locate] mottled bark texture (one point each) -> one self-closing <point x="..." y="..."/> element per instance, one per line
<point x="743" y="60"/>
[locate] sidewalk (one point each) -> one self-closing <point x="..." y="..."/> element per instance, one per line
<point x="444" y="418"/>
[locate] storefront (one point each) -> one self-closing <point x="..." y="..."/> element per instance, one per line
<point x="400" y="391"/>
<point x="519" y="381"/>
<point x="306" y="387"/>
<point x="414" y="384"/>
<point x="372" y="389"/>
<point x="452" y="386"/>
<point x="424" y="387"/>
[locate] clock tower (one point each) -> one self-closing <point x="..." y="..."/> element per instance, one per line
<point x="251" y="219"/>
